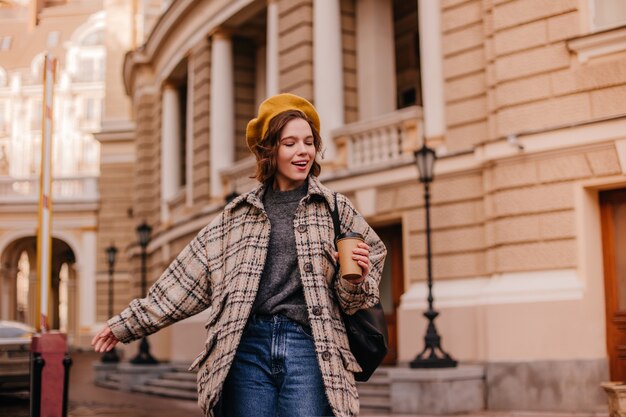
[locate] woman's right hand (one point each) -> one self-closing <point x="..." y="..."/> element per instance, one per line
<point x="104" y="341"/>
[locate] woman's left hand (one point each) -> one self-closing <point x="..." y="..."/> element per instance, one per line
<point x="361" y="254"/>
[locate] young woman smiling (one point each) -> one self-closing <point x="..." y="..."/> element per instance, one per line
<point x="276" y="343"/>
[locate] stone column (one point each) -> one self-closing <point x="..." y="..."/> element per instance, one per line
<point x="4" y="293"/>
<point x="34" y="301"/>
<point x="328" y="69"/>
<point x="271" y="87"/>
<point x="222" y="147"/>
<point x="190" y="130"/>
<point x="71" y="304"/>
<point x="376" y="58"/>
<point x="429" y="15"/>
<point x="170" y="148"/>
<point x="87" y="284"/>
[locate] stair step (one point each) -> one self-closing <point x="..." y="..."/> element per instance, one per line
<point x="106" y="383"/>
<point x="376" y="379"/>
<point x="182" y="367"/>
<point x="173" y="383"/>
<point x="167" y="392"/>
<point x="379" y="404"/>
<point x="113" y="377"/>
<point x="179" y="376"/>
<point x="382" y="390"/>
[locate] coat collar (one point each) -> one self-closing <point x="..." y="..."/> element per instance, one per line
<point x="255" y="197"/>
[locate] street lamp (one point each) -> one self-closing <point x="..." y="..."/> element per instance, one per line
<point x="111" y="356"/>
<point x="429" y="357"/>
<point x="143" y="356"/>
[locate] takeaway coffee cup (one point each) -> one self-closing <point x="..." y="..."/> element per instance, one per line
<point x="346" y="243"/>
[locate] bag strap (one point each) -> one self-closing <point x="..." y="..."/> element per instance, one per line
<point x="334" y="214"/>
<point x="336" y="222"/>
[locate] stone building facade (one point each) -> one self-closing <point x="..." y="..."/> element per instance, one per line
<point x="525" y="103"/>
<point x="74" y="34"/>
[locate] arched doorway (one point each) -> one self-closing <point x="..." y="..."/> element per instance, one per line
<point x="18" y="284"/>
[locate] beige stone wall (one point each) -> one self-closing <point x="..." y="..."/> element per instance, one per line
<point x="201" y="62"/>
<point x="295" y="47"/>
<point x="457" y="225"/>
<point x="348" y="38"/>
<point x="464" y="68"/>
<point x="509" y="68"/>
<point x="118" y="39"/>
<point x="147" y="195"/>
<point x="116" y="226"/>
<point x="245" y="63"/>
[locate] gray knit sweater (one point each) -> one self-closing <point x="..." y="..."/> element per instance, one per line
<point x="280" y="290"/>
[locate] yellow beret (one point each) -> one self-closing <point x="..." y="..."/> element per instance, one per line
<point x="272" y="107"/>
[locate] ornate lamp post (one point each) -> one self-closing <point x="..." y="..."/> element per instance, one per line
<point x="433" y="356"/>
<point x="143" y="357"/>
<point x="111" y="356"/>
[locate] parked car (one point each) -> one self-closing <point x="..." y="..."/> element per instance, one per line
<point x="15" y="340"/>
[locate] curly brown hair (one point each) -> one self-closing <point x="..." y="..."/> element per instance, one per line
<point x="267" y="149"/>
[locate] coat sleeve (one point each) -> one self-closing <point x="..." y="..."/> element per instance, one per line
<point x="182" y="291"/>
<point x="353" y="297"/>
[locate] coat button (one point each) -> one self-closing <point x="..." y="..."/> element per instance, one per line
<point x="302" y="228"/>
<point x="317" y="311"/>
<point x="326" y="355"/>
<point x="308" y="267"/>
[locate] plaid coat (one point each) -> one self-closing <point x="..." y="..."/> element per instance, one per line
<point x="221" y="268"/>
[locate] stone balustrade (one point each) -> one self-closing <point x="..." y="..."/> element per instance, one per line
<point x="236" y="178"/>
<point x="373" y="144"/>
<point x="376" y="143"/>
<point x="66" y="189"/>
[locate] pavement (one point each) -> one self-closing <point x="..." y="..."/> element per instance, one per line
<point x="87" y="400"/>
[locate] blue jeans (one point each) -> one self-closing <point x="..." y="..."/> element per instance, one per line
<point x="275" y="373"/>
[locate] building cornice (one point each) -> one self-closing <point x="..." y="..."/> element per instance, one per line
<point x="199" y="19"/>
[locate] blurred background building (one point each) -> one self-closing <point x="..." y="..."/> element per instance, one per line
<point x="524" y="101"/>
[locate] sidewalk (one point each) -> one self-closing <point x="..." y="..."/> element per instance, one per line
<point x="87" y="400"/>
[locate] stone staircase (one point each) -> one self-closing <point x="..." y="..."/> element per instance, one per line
<point x="178" y="383"/>
<point x="375" y="394"/>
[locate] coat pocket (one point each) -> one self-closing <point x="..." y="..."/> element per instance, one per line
<point x="349" y="361"/>
<point x="216" y="312"/>
<point x="202" y="356"/>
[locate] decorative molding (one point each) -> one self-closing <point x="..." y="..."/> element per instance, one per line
<point x="620" y="146"/>
<point x="507" y="288"/>
<point x="598" y="44"/>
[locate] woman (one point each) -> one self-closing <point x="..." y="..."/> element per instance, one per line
<point x="276" y="343"/>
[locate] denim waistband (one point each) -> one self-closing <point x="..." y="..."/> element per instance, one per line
<point x="274" y="318"/>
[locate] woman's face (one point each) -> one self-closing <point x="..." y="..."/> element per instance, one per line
<point x="296" y="154"/>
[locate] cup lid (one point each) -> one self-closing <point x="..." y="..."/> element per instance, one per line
<point x="349" y="235"/>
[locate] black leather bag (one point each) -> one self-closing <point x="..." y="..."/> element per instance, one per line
<point x="366" y="329"/>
